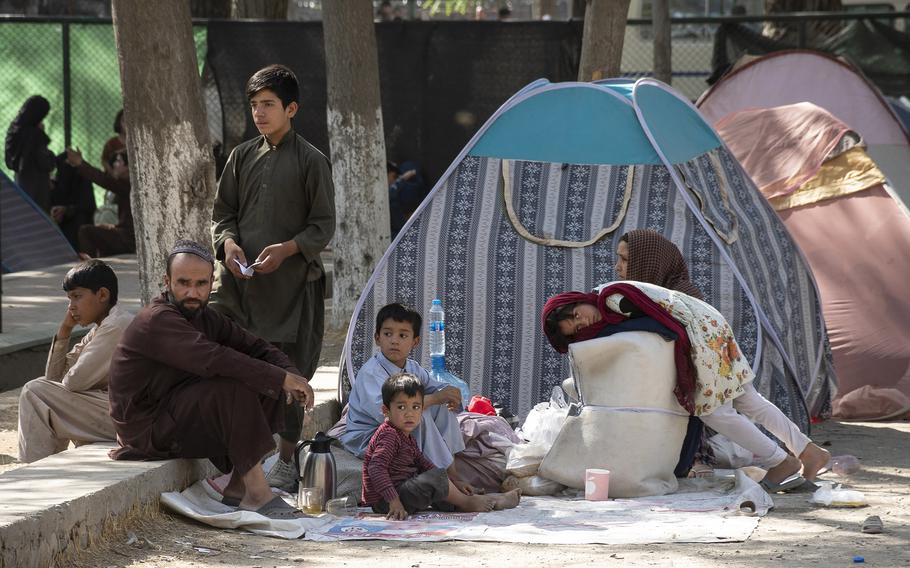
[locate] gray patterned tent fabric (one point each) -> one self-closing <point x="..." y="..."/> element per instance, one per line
<point x="495" y="265"/>
<point x="29" y="238"/>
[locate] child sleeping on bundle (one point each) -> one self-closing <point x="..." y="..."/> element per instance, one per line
<point x="714" y="380"/>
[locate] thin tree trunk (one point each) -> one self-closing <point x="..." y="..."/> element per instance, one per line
<point x="660" y="22"/>
<point x="604" y="34"/>
<point x="358" y="151"/>
<point x="259" y="9"/>
<point x="171" y="168"/>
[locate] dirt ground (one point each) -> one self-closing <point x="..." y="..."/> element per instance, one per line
<point x="795" y="533"/>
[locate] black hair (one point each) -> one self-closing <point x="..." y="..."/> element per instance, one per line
<point x="94" y="275"/>
<point x="189" y="247"/>
<point x="392" y="167"/>
<point x="278" y="79"/>
<point x="552" y="330"/>
<point x="118" y="123"/>
<point x="400" y="313"/>
<point x="400" y="382"/>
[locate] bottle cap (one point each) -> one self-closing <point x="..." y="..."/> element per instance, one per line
<point x="437" y="302"/>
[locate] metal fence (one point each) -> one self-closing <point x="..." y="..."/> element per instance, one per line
<point x="73" y="63"/>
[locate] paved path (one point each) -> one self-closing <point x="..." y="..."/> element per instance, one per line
<point x="34" y="302"/>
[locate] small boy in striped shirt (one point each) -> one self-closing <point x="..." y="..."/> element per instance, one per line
<point x="398" y="479"/>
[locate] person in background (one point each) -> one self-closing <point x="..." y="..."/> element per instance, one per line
<point x="72" y="201"/>
<point x="406" y="191"/>
<point x="27" y="152"/>
<point x="385" y="13"/>
<point x="107" y="213"/>
<point x="107" y="240"/>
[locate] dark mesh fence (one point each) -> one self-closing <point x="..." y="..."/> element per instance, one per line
<point x="439" y="80"/>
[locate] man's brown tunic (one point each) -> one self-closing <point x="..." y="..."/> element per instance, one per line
<point x="194" y="388"/>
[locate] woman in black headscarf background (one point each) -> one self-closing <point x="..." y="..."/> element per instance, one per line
<point x="27" y="152"/>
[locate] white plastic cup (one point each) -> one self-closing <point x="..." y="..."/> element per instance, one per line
<point x="597" y="484"/>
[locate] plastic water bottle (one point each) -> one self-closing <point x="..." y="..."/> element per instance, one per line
<point x="437" y="338"/>
<point x="437" y="328"/>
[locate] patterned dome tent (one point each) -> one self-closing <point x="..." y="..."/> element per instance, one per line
<point x="535" y="205"/>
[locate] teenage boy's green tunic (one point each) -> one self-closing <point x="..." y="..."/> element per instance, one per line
<point x="267" y="195"/>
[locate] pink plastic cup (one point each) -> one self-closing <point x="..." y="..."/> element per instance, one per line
<point x="597" y="484"/>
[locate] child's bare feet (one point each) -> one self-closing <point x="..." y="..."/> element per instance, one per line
<point x="477" y="504"/>
<point x="814" y="459"/>
<point x="783" y="470"/>
<point x="506" y="500"/>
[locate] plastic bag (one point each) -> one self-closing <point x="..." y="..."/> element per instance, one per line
<point x="534" y="485"/>
<point x="524" y="459"/>
<point x="729" y="454"/>
<point x="545" y="420"/>
<point x="836" y="496"/>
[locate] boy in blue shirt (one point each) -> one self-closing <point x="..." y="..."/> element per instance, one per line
<point x="438" y="435"/>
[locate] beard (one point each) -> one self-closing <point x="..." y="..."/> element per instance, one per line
<point x="188" y="311"/>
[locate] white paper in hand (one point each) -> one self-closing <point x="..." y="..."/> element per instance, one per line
<point x="247" y="270"/>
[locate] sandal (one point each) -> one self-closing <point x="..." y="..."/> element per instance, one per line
<point x="785" y="486"/>
<point x="873" y="525"/>
<point x="278" y="509"/>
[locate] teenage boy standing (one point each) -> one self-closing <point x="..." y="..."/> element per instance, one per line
<point x="275" y="212"/>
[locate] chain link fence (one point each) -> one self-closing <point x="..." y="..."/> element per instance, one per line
<point x="74" y="66"/>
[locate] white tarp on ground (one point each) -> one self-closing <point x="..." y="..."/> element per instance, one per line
<point x="703" y="510"/>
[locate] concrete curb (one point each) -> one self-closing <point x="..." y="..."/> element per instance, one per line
<point x="45" y="512"/>
<point x="58" y="505"/>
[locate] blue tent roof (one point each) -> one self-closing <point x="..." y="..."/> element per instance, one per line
<point x="593" y="123"/>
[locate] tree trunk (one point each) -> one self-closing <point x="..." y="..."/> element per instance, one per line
<point x="604" y="33"/>
<point x="358" y="151"/>
<point x="259" y="9"/>
<point x="660" y="21"/>
<point x="171" y="168"/>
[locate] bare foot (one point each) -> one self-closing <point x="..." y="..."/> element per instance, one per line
<point x="783" y="470"/>
<point x="814" y="458"/>
<point x="478" y="503"/>
<point x="506" y="500"/>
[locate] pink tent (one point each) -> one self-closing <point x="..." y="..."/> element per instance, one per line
<point x="830" y="194"/>
<point x="787" y="77"/>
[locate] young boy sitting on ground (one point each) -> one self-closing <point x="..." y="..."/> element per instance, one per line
<point x="438" y="436"/>
<point x="398" y="479"/>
